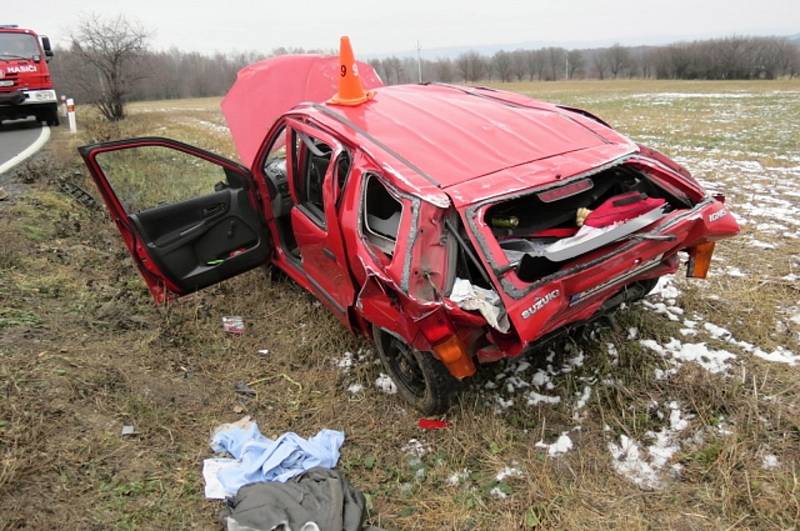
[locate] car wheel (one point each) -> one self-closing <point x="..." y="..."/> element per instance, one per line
<point x="421" y="379"/>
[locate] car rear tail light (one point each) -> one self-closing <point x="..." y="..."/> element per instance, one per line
<point x="447" y="346"/>
<point x="700" y="260"/>
<point x="455" y="357"/>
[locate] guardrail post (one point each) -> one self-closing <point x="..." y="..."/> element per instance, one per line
<point x="73" y="127"/>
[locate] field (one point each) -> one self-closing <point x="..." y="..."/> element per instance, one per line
<point x="683" y="415"/>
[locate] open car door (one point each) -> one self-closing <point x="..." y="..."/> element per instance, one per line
<point x="187" y="216"/>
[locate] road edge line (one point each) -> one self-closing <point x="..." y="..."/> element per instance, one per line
<point x="44" y="136"/>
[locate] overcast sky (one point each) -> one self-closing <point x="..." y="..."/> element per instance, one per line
<point x="379" y="27"/>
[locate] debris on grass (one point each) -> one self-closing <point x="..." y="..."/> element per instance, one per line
<point x="244" y="390"/>
<point x="263" y="352"/>
<point x="233" y="324"/>
<point x="129" y="430"/>
<point x="432" y="424"/>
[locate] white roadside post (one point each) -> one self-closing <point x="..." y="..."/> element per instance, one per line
<point x="64" y="106"/>
<point x="73" y="127"/>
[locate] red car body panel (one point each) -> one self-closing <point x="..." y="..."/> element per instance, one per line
<point x="446" y="155"/>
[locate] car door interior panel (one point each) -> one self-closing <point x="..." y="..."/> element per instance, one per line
<point x="204" y="239"/>
<point x="200" y="240"/>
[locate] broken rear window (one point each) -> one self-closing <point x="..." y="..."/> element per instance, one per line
<point x="382" y="213"/>
<point x="542" y="231"/>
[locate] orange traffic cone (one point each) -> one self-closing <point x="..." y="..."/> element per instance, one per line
<point x="351" y="91"/>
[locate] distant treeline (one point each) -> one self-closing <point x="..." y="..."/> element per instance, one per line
<point x="728" y="58"/>
<point x="178" y="74"/>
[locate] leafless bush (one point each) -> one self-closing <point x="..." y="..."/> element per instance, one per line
<point x="111" y="50"/>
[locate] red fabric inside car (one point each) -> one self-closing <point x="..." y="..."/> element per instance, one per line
<point x="555" y="232"/>
<point x="622" y="208"/>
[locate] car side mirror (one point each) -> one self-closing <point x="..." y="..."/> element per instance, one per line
<point x="48" y="50"/>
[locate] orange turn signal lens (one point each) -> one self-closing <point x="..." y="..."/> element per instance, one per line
<point x="700" y="260"/>
<point x="455" y="357"/>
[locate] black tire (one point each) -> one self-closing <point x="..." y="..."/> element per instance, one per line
<point x="52" y="116"/>
<point x="421" y="379"/>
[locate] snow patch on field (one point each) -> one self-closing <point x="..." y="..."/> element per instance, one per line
<point x="385" y="384"/>
<point x="457" y="478"/>
<point x="779" y="355"/>
<point x="349" y="360"/>
<point x="644" y="465"/>
<point x="355" y="388"/>
<point x="562" y="445"/>
<point x="676" y="353"/>
<point x="415" y="448"/>
<point x="769" y="461"/>
<point x="508" y="472"/>
<point x="211" y="126"/>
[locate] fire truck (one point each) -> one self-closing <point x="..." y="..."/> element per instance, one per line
<point x="26" y="88"/>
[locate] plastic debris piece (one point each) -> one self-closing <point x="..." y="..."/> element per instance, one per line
<point x="243" y="389"/>
<point x="470" y="297"/>
<point x="128" y="430"/>
<point x="233" y="324"/>
<point x="432" y="424"/>
<point x="263" y="352"/>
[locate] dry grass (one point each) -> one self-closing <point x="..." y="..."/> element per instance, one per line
<point x="82" y="352"/>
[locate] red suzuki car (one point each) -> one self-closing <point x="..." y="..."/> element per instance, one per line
<point x="454" y="225"/>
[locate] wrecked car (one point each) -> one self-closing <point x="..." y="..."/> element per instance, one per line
<point x="453" y="225"/>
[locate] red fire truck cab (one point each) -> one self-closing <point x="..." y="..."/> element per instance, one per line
<point x="26" y="88"/>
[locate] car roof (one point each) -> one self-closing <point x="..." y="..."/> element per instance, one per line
<point x="449" y="135"/>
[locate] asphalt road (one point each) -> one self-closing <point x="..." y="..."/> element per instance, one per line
<point x="19" y="140"/>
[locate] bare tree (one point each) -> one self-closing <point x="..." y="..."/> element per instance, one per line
<point x="598" y="64"/>
<point x="503" y="65"/>
<point x="113" y="47"/>
<point x="472" y="66"/>
<point x="575" y="63"/>
<point x="617" y="59"/>
<point x="519" y="64"/>
<point x="443" y="71"/>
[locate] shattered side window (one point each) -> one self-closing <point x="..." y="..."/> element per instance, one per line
<point x="277" y="153"/>
<point x="312" y="158"/>
<point x="342" y="170"/>
<point x="382" y="214"/>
